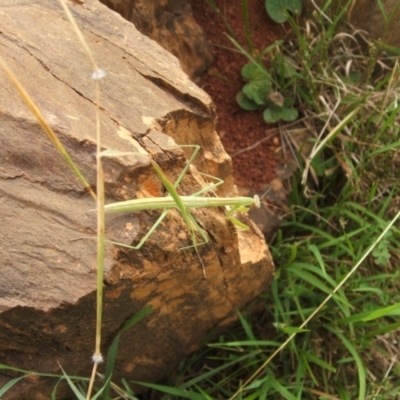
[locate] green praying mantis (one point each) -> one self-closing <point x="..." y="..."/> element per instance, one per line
<point x="184" y="204"/>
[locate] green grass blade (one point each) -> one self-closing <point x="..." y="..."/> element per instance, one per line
<point x="45" y="126"/>
<point x="316" y="360"/>
<point x="245" y="343"/>
<point x="72" y="385"/>
<point x="360" y="366"/>
<point x="393" y="310"/>
<point x="113" y="350"/>
<point x="246" y="326"/>
<point x="180" y="393"/>
<point x="10" y="384"/>
<point x="282" y="390"/>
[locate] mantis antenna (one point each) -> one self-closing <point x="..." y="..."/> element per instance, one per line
<point x="257" y="198"/>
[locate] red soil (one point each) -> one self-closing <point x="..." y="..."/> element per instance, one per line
<point x="237" y="128"/>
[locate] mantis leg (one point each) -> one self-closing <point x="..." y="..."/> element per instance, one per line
<point x="202" y="234"/>
<point x="183" y="173"/>
<point x="234" y="220"/>
<point x="190" y="221"/>
<point x="194" y="241"/>
<point x="145" y="237"/>
<point x="154" y="227"/>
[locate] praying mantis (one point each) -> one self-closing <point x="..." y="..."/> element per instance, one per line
<point x="184" y="204"/>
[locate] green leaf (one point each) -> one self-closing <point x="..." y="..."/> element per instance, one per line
<point x="289" y="67"/>
<point x="246" y="326"/>
<point x="10" y="384"/>
<point x="257" y="91"/>
<point x="282" y="390"/>
<point x="260" y="95"/>
<point x="316" y="360"/>
<point x="78" y="394"/>
<point x="392" y="49"/>
<point x="393" y="310"/>
<point x="112" y="351"/>
<point x="273" y="114"/>
<point x="259" y="84"/>
<point x="290" y="114"/>
<point x="381" y="253"/>
<point x="360" y="366"/>
<point x="174" y="391"/>
<point x="353" y="78"/>
<point x="292" y="329"/>
<point x="253" y="71"/>
<point x="288" y="102"/>
<point x="245" y="102"/>
<point x="278" y="9"/>
<point x="248" y="91"/>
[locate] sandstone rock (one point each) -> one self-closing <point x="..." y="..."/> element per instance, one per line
<point x="48" y="281"/>
<point x="170" y="23"/>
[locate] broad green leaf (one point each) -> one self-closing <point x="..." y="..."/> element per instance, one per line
<point x="248" y="91"/>
<point x="260" y="95"/>
<point x="259" y="84"/>
<point x="278" y="9"/>
<point x="245" y="102"/>
<point x="290" y="114"/>
<point x="257" y="90"/>
<point x="288" y="102"/>
<point x="273" y="114"/>
<point x="254" y="93"/>
<point x="252" y="71"/>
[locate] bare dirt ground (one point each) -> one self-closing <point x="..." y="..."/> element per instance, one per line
<point x="237" y="128"/>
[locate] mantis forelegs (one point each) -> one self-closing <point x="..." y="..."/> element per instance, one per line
<point x="184" y="203"/>
<point x="187" y="216"/>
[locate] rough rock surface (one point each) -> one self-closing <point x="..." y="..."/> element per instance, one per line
<point x="48" y="281"/>
<point x="171" y="24"/>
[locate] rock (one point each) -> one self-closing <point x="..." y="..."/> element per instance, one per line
<point x="48" y="281"/>
<point x="367" y="15"/>
<point x="171" y="24"/>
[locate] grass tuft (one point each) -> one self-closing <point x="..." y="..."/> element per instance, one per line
<point x="329" y="326"/>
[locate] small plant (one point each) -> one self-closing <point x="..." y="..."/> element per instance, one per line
<point x="260" y="92"/>
<point x="271" y="89"/>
